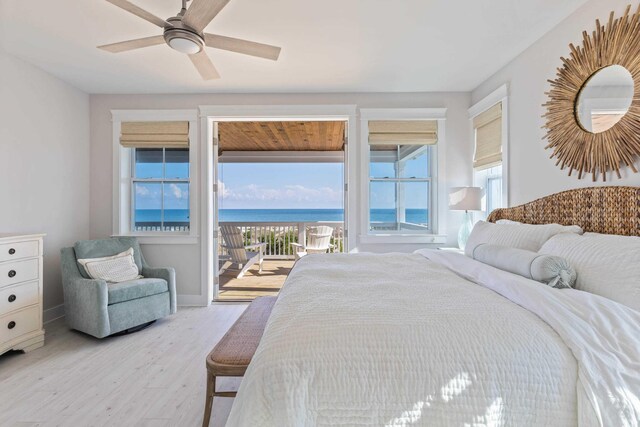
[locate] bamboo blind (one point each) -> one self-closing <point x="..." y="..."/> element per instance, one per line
<point x="488" y="132"/>
<point x="403" y="132"/>
<point x="154" y="134"/>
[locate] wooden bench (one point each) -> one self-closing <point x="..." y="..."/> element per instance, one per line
<point x="233" y="353"/>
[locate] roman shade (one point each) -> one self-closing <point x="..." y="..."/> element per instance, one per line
<point x="154" y="134"/>
<point x="403" y="132"/>
<point x="488" y="132"/>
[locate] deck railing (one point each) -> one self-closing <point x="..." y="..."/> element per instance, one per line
<point x="279" y="235"/>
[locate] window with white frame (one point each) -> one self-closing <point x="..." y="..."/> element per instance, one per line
<point x="402" y="159"/>
<point x="160" y="190"/>
<point x="487" y="159"/>
<point x="155" y="186"/>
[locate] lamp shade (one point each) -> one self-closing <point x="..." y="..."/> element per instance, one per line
<point x="465" y="199"/>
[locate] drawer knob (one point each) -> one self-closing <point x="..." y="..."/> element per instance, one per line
<point x="12" y="251"/>
<point x="12" y="298"/>
<point x="12" y="273"/>
<point x="11" y="325"/>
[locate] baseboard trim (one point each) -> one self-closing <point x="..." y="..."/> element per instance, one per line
<point x="53" y="313"/>
<point x="192" y="301"/>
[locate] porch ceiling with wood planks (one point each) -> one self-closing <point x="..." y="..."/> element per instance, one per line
<point x="281" y="136"/>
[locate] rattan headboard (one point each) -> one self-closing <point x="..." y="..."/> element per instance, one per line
<point x="607" y="210"/>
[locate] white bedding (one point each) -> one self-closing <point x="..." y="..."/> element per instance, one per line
<point x="400" y="340"/>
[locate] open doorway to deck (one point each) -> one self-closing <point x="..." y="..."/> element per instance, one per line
<point x="280" y="194"/>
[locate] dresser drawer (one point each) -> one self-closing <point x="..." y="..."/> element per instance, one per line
<point x="18" y="296"/>
<point x="11" y="251"/>
<point x="19" y="271"/>
<point x="19" y="323"/>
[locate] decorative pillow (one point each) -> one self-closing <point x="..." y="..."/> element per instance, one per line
<point x="607" y="265"/>
<point x="117" y="268"/>
<point x="106" y="247"/>
<point x="522" y="236"/>
<point x="507" y="221"/>
<point x="548" y="269"/>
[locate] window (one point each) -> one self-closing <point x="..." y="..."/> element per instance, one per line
<point x="401" y="191"/>
<point x="160" y="189"/>
<point x="488" y="157"/>
<point x="155" y="175"/>
<point x="491" y="181"/>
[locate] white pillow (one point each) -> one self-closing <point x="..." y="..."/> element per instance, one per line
<point x="607" y="265"/>
<point x="115" y="268"/>
<point x="522" y="236"/>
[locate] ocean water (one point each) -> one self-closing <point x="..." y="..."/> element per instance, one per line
<point x="152" y="216"/>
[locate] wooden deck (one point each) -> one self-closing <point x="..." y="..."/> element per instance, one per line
<point x="254" y="284"/>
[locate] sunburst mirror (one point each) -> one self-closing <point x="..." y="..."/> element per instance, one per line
<point x="593" y="107"/>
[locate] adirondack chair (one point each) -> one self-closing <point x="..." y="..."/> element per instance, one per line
<point x="243" y="255"/>
<point x="318" y="242"/>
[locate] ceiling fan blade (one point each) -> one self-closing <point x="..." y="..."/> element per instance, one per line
<point x="242" y="46"/>
<point x="201" y="12"/>
<point x="138" y="11"/>
<point x="132" y="44"/>
<point x="204" y="65"/>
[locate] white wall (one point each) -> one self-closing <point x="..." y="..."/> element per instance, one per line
<point x="186" y="258"/>
<point x="44" y="163"/>
<point x="532" y="174"/>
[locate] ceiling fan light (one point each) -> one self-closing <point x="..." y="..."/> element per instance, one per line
<point x="185" y="45"/>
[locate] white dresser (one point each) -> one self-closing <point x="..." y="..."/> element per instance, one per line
<point x="21" y="292"/>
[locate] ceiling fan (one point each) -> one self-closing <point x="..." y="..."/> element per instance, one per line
<point x="183" y="33"/>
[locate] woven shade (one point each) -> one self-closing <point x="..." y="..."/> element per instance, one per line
<point x="403" y="132"/>
<point x="155" y="134"/>
<point x="488" y="131"/>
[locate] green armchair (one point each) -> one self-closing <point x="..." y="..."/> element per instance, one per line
<point x="96" y="308"/>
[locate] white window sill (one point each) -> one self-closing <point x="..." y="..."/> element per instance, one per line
<point x="163" y="239"/>
<point x="403" y="238"/>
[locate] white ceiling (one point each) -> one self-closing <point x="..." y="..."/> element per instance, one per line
<point x="327" y="45"/>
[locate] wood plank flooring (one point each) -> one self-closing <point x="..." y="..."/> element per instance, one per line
<point x="154" y="377"/>
<point x="254" y="284"/>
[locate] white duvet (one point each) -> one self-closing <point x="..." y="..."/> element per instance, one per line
<point x="401" y="340"/>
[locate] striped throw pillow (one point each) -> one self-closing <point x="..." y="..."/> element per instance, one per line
<point x="116" y="268"/>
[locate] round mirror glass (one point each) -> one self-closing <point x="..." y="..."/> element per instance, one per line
<point x="605" y="99"/>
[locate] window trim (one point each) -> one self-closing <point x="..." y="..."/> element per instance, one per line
<point x="438" y="190"/>
<point x="123" y="177"/>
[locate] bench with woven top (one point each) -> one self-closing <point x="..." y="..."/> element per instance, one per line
<point x="233" y="353"/>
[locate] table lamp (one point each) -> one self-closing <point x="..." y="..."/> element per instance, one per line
<point x="465" y="199"/>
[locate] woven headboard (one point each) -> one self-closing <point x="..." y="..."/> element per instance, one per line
<point x="607" y="210"/>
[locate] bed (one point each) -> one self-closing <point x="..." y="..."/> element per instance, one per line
<point x="436" y="338"/>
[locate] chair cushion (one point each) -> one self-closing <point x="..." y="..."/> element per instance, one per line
<point x="134" y="289"/>
<point x="106" y="247"/>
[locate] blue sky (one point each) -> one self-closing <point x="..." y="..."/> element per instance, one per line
<point x="280" y="185"/>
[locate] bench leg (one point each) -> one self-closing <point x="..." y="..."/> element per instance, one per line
<point x="211" y="390"/>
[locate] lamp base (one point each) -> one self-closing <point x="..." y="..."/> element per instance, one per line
<point x="465" y="230"/>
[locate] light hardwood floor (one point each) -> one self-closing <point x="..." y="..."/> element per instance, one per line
<point x="254" y="284"/>
<point x="154" y="377"/>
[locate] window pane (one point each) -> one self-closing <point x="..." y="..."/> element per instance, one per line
<point x="148" y="162"/>
<point x="176" y="206"/>
<point x="414" y="206"/>
<point x="399" y="206"/>
<point x="382" y="202"/>
<point x="148" y="206"/>
<point x="177" y="163"/>
<point x="382" y="162"/>
<point x="411" y="161"/>
<point x="494" y="193"/>
<point x="414" y="161"/>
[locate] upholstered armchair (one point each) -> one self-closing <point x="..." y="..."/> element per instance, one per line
<point x="98" y="308"/>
